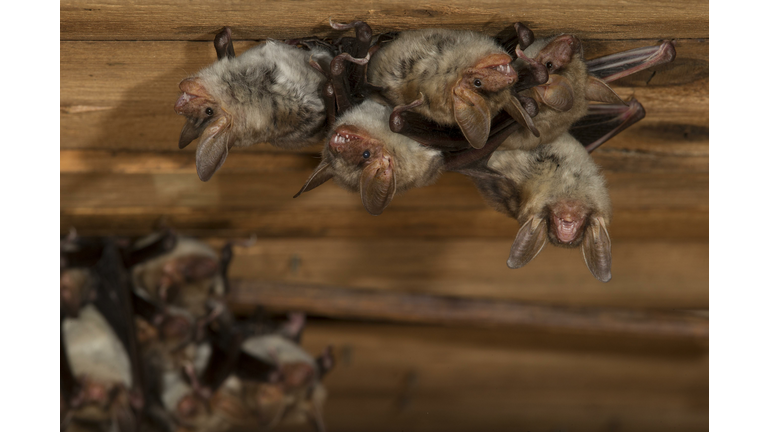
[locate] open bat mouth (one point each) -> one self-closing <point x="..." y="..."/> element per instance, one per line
<point x="567" y="222"/>
<point x="567" y="231"/>
<point x="506" y="69"/>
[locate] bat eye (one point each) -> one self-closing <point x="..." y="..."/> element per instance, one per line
<point x="209" y="111"/>
<point x="366" y="154"/>
<point x="478" y="83"/>
<point x="549" y="65"/>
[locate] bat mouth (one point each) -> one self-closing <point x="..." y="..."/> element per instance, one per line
<point x="506" y="70"/>
<point x="567" y="223"/>
<point x="567" y="231"/>
<point x="343" y="136"/>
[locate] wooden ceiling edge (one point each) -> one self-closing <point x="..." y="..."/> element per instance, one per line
<point x="349" y="303"/>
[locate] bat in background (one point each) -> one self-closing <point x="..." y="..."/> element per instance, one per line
<point x="450" y="77"/>
<point x="101" y="376"/>
<point x="270" y="93"/>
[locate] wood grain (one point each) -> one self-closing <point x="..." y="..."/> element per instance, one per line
<point x="409" y="377"/>
<point x="650" y="275"/>
<point x="345" y="303"/>
<point x="197" y="20"/>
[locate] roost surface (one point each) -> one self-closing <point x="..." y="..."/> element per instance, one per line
<point x="121" y="173"/>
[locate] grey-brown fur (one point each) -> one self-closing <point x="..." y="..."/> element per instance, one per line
<point x="550" y="122"/>
<point x="536" y="179"/>
<point x="431" y="61"/>
<point x="415" y="165"/>
<point x="556" y="193"/>
<point x="273" y="94"/>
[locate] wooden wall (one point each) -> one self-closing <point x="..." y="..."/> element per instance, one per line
<point x="121" y="173"/>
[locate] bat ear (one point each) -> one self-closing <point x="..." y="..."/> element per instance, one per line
<point x="597" y="249"/>
<point x="321" y="175"/>
<point x="598" y="91"/>
<point x="377" y="187"/>
<point x="530" y="240"/>
<point x="223" y="44"/>
<point x="557" y="93"/>
<point x="213" y="148"/>
<point x="191" y="131"/>
<point x="472" y="115"/>
<point x="517" y="112"/>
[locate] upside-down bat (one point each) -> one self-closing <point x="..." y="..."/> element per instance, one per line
<point x="270" y="93"/>
<point x="365" y="156"/>
<point x="557" y="194"/>
<point x="187" y="276"/>
<point x="101" y="377"/>
<point x="460" y="78"/>
<point x="573" y="83"/>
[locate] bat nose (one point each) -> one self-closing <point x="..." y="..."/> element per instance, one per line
<point x="182" y="101"/>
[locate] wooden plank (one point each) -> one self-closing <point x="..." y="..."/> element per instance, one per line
<point x="345" y="303"/>
<point x="649" y="275"/>
<point x="197" y="20"/>
<point x="660" y="204"/>
<point x="120" y="95"/>
<point x="429" y="378"/>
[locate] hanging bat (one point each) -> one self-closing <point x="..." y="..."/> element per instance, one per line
<point x="187" y="276"/>
<point x="101" y="376"/>
<point x="558" y="195"/>
<point x="573" y="83"/>
<point x="459" y="78"/>
<point x="270" y="93"/>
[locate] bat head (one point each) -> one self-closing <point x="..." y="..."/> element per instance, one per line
<point x="358" y="161"/>
<point x="490" y="75"/>
<point x="559" y="52"/>
<point x="207" y="120"/>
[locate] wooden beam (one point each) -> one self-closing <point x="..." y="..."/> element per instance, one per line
<point x="196" y="20"/>
<point x="338" y="302"/>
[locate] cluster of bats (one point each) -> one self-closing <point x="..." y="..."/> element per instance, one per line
<point x="517" y="115"/>
<point x="149" y="344"/>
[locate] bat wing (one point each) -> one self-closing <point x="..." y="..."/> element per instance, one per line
<point x="612" y="67"/>
<point x="160" y="244"/>
<point x="114" y="302"/>
<point x="604" y="122"/>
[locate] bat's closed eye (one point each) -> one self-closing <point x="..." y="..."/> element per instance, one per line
<point x="209" y="111"/>
<point x="366" y="154"/>
<point x="478" y="83"/>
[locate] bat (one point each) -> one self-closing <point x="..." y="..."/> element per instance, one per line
<point x="451" y="77"/>
<point x="101" y="376"/>
<point x="186" y="276"/>
<point x="270" y="93"/>
<point x="573" y="83"/>
<point x="558" y="195"/>
<point x="363" y="155"/>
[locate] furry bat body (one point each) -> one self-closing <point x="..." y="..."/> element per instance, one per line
<point x="187" y="276"/>
<point x="270" y="93"/>
<point x="573" y="83"/>
<point x="365" y="156"/>
<point x="461" y="78"/>
<point x="557" y="194"/>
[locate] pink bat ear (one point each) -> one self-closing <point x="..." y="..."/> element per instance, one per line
<point x="596" y="249"/>
<point x="557" y="93"/>
<point x="213" y="148"/>
<point x="320" y="175"/>
<point x="472" y="115"/>
<point x="530" y="240"/>
<point x="377" y="185"/>
<point x="599" y="91"/>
